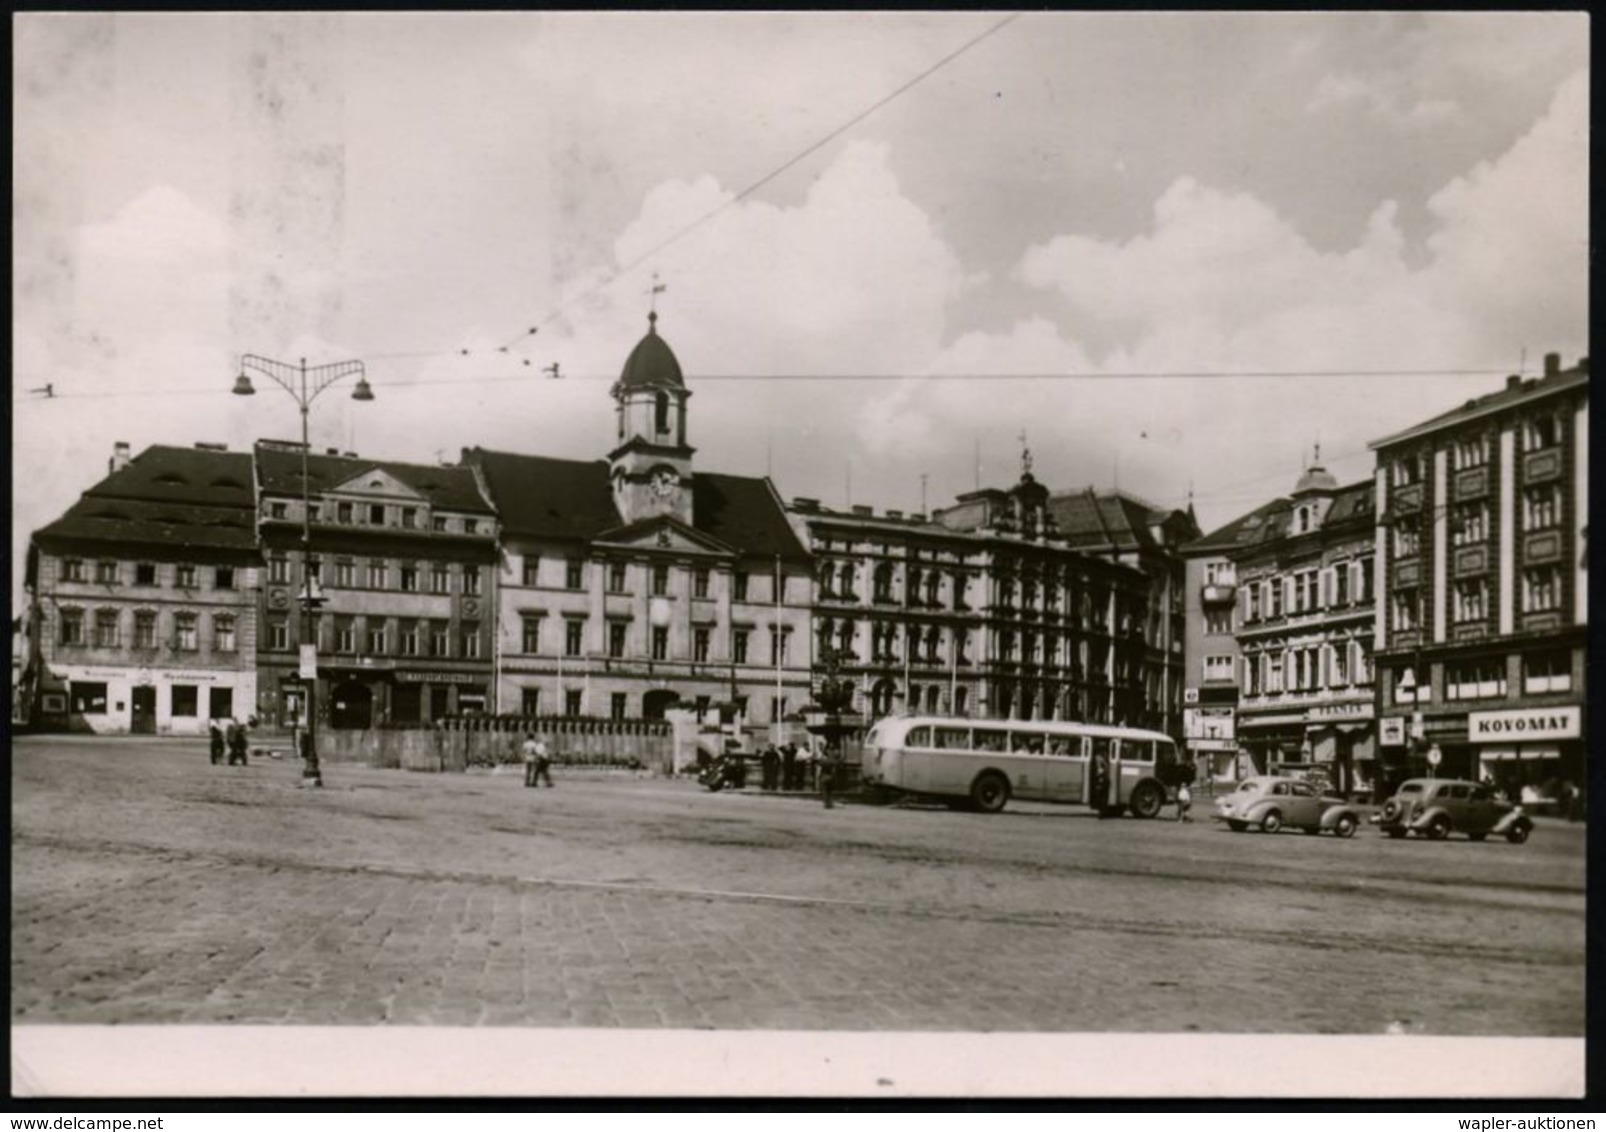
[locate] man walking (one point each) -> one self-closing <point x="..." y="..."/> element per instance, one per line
<point x="830" y="758"/>
<point x="789" y="767"/>
<point x="532" y="757"/>
<point x="543" y="764"/>
<point x="770" y="763"/>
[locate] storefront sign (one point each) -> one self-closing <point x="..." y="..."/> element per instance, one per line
<point x="415" y="677"/>
<point x="1521" y="726"/>
<point x="1391" y="731"/>
<point x="1212" y="745"/>
<point x="1319" y="712"/>
<point x="309" y="662"/>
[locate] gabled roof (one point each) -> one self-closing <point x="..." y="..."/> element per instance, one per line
<point x="450" y="487"/>
<point x="543" y="497"/>
<point x="1088" y="518"/>
<point x="200" y="476"/>
<point x="745" y="512"/>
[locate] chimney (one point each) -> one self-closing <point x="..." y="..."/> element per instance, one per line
<point x="891" y="514"/>
<point x="1514" y="381"/>
<point x="208" y="446"/>
<point x="863" y="509"/>
<point x="332" y="451"/>
<point x="805" y="504"/>
<point x="119" y="459"/>
<point x="1552" y="365"/>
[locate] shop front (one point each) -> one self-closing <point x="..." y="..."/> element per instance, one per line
<point x="1531" y="754"/>
<point x="112" y="700"/>
<point x="1271" y="742"/>
<point x="1341" y="741"/>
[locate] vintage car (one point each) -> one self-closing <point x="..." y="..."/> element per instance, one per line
<point x="1271" y="802"/>
<point x="1437" y="807"/>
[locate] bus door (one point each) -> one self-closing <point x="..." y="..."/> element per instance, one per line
<point x="1067" y="768"/>
<point x="1136" y="762"/>
<point x="1103" y="787"/>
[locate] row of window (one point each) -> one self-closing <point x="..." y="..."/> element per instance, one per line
<point x="381" y="637"/>
<point x="108" y="571"/>
<point x="617" y="578"/>
<point x="1308" y="668"/>
<point x="658" y="641"/>
<point x="1469" y="522"/>
<point x="378" y="515"/>
<point x="89" y="697"/>
<point x="1537" y="432"/>
<point x="1541" y="592"/>
<point x="1542" y="672"/>
<point x="377" y="575"/>
<point x="107" y="627"/>
<point x="1308" y="591"/>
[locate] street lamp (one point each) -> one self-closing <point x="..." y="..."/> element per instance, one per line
<point x="304" y="385"/>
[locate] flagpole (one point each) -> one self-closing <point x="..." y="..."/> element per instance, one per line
<point x="775" y="729"/>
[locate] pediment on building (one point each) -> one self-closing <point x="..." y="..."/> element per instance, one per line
<point x="376" y="483"/>
<point x="662" y="532"/>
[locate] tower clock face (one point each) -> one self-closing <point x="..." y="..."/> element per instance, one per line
<point x="664" y="483"/>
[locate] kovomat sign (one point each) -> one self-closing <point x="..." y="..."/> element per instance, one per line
<point x="1535" y="724"/>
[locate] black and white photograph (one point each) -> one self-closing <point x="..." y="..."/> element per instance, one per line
<point x="800" y="554"/>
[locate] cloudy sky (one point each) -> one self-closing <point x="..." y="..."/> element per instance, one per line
<point x="886" y="240"/>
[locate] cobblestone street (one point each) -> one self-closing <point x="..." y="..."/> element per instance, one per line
<point x="150" y="887"/>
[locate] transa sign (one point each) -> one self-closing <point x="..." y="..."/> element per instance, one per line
<point x="1534" y="723"/>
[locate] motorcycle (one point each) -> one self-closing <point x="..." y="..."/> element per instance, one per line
<point x="723" y="771"/>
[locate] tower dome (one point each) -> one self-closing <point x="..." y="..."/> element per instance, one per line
<point x="651" y="365"/>
<point x="1316" y="478"/>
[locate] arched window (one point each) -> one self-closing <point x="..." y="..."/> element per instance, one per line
<point x="661" y="417"/>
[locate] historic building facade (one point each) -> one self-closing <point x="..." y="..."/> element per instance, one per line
<point x="1483" y="582"/>
<point x="142" y="598"/>
<point x="403" y="559"/>
<point x="639" y="582"/>
<point x="1302" y="573"/>
<point x="980" y="610"/>
<point x="1119" y="526"/>
<point x="1210" y="657"/>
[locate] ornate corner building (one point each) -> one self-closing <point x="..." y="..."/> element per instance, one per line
<point x="1483" y="585"/>
<point x="638" y="582"/>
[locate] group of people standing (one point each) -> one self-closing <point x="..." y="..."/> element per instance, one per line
<point x="787" y="768"/>
<point x="230" y="737"/>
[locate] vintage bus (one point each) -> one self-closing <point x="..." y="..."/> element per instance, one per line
<point x="984" y="763"/>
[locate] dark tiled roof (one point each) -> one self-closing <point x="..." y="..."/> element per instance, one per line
<point x="549" y="498"/>
<point x="201" y="476"/>
<point x="545" y="497"/>
<point x="1087" y="518"/>
<point x="1272" y="520"/>
<point x="454" y="488"/>
<point x="746" y="513"/>
<point x="1512" y="394"/>
<point x="122" y="520"/>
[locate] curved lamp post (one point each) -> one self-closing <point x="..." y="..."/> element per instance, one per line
<point x="304" y="384"/>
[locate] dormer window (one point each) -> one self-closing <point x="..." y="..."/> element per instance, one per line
<point x="376" y="514"/>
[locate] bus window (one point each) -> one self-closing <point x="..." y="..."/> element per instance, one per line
<point x="918" y="737"/>
<point x="1064" y="745"/>
<point x="1137" y="750"/>
<point x="990" y="740"/>
<point x="953" y="738"/>
<point x="1026" y="743"/>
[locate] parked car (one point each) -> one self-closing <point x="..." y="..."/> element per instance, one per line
<point x="1271" y="802"/>
<point x="1437" y="807"/>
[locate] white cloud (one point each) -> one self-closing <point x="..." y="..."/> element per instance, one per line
<point x="1386" y="100"/>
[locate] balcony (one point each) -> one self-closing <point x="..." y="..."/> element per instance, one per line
<point x="1218" y="593"/>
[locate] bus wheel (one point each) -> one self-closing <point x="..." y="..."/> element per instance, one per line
<point x="989" y="792"/>
<point x="1146" y="800"/>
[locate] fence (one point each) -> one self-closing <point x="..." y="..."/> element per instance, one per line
<point x="456" y="743"/>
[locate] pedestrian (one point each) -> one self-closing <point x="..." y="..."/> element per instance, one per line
<point x="237" y="741"/>
<point x="826" y="767"/>
<point x="215" y="737"/>
<point x="1184" y="802"/>
<point x="770" y="765"/>
<point x="531" y="749"/>
<point x="543" y="764"/>
<point x="789" y="767"/>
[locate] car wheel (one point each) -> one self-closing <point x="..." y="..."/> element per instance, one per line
<point x="1271" y="821"/>
<point x="1438" y="828"/>
<point x="1395" y="832"/>
<point x="1391" y="810"/>
<point x="1518" y="833"/>
<point x="989" y="792"/>
<point x="1147" y="800"/>
<point x="1237" y="826"/>
<point x="1344" y="825"/>
<point x="717" y="785"/>
<point x="1476" y="836"/>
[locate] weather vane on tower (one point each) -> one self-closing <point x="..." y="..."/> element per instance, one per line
<point x="1025" y="455"/>
<point x="653" y="292"/>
